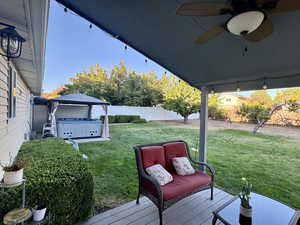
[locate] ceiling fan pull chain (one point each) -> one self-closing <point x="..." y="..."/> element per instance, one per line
<point x="245" y="48"/>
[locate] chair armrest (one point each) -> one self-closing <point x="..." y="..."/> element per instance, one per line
<point x="210" y="168"/>
<point x="151" y="184"/>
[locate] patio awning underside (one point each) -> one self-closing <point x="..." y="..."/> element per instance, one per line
<point x="153" y="28"/>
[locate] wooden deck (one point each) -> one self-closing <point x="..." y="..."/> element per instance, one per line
<point x="193" y="210"/>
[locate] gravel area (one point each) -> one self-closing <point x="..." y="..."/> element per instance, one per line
<point x="291" y="132"/>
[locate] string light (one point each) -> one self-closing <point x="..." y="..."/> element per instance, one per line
<point x="265" y="84"/>
<point x="238" y="87"/>
<point x="212" y="91"/>
<point x="146" y="61"/>
<point x="74" y="14"/>
<point x="125" y="47"/>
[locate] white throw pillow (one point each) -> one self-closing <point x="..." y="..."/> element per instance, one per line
<point x="160" y="174"/>
<point x="183" y="166"/>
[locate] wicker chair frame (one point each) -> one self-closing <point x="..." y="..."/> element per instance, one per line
<point x="155" y="194"/>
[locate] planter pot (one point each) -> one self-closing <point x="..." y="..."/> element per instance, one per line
<point x="246" y="212"/>
<point x="13" y="177"/>
<point x="39" y="214"/>
<point x="245" y="220"/>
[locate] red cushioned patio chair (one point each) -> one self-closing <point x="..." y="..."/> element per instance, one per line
<point x="181" y="186"/>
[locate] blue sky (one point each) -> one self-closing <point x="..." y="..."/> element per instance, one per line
<point x="72" y="47"/>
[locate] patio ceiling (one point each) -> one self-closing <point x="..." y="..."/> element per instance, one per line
<point x="154" y="29"/>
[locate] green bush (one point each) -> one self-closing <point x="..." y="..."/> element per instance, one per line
<point x="216" y="113"/>
<point x="58" y="177"/>
<point x="111" y="119"/>
<point x="122" y="118"/>
<point x="255" y="113"/>
<point x="139" y="121"/>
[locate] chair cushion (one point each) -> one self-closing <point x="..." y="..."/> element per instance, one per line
<point x="152" y="155"/>
<point x="184" y="184"/>
<point x="172" y="150"/>
<point x="160" y="174"/>
<point x="183" y="166"/>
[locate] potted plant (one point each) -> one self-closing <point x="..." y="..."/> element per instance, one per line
<point x="39" y="212"/>
<point x="13" y="171"/>
<point x="245" y="208"/>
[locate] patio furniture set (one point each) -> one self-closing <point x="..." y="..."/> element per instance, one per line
<point x="266" y="211"/>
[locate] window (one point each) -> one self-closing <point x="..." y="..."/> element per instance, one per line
<point x="12" y="93"/>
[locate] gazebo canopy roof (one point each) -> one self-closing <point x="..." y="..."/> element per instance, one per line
<point x="154" y="29"/>
<point x="78" y="98"/>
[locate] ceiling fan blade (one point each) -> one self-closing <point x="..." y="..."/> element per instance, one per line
<point x="263" y="31"/>
<point x="286" y="6"/>
<point x="202" y="9"/>
<point x="210" y="34"/>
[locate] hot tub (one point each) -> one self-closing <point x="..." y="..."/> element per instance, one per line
<point x="78" y="128"/>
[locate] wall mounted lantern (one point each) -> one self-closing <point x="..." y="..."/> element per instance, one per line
<point x="10" y="41"/>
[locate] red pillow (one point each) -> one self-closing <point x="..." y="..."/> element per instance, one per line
<point x="152" y="155"/>
<point x="172" y="150"/>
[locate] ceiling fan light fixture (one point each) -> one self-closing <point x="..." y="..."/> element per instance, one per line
<point x="245" y="22"/>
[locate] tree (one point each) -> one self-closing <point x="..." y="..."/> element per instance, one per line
<point x="254" y="113"/>
<point x="257" y="108"/>
<point x="120" y="86"/>
<point x="260" y="97"/>
<point x="54" y="93"/>
<point x="215" y="112"/>
<point x="289" y="97"/>
<point x="90" y="83"/>
<point x="180" y="97"/>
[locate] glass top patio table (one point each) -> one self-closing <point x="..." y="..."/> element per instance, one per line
<point x="265" y="211"/>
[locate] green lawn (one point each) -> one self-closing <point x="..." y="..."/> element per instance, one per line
<point x="271" y="163"/>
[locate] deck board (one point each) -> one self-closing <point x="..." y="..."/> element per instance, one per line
<point x="194" y="210"/>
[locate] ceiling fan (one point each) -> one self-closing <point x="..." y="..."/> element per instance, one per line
<point x="249" y="18"/>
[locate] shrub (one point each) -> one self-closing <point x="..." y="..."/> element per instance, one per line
<point x="254" y="113"/>
<point x="122" y="118"/>
<point x="139" y="121"/>
<point x="111" y="119"/>
<point x="215" y="113"/>
<point x="57" y="176"/>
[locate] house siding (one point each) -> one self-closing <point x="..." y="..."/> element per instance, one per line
<point x="13" y="132"/>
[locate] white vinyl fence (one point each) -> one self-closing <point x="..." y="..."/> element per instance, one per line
<point x="147" y="113"/>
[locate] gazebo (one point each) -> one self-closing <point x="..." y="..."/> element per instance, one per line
<point x="197" y="44"/>
<point x="74" y="127"/>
